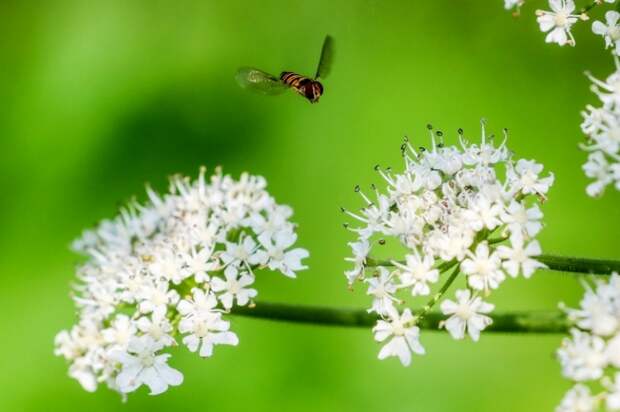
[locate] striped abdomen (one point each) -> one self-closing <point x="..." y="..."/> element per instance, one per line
<point x="293" y="79"/>
<point x="309" y="88"/>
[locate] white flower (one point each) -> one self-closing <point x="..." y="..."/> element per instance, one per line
<point x="518" y="258"/>
<point x="199" y="263"/>
<point x="360" y="254"/>
<point x="382" y="289"/>
<point x="593" y="351"/>
<point x="483" y="214"/>
<point x="520" y="219"/>
<point x="582" y="357"/>
<point x="417" y="273"/>
<point x="156" y="296"/>
<point x="373" y="215"/>
<point x="509" y="4"/>
<point x="83" y="347"/>
<point x="158" y="327"/>
<point x="200" y="304"/>
<point x="557" y="22"/>
<point x="445" y="212"/>
<point x="201" y="232"/>
<point x="405" y="337"/>
<point x="593" y="118"/>
<point x="168" y="266"/>
<point x="598" y="168"/>
<point x="82" y="371"/>
<point x="578" y="399"/>
<point x="612" y="399"/>
<point x="599" y="310"/>
<point x="608" y="91"/>
<point x="276" y="255"/>
<point x="602" y="126"/>
<point x="206" y="329"/>
<point x="610" y="31"/>
<point x="234" y="287"/>
<point x="275" y="221"/>
<point x="467" y="313"/>
<point x="141" y="365"/>
<point x="454" y="244"/>
<point x="203" y="324"/>
<point x="605" y="133"/>
<point x="612" y="351"/>
<point x="120" y="331"/>
<point x="483" y="270"/>
<point x="245" y="252"/>
<point x="66" y="344"/>
<point x="525" y="178"/>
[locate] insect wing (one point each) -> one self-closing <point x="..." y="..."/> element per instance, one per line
<point x="327" y="56"/>
<point x="259" y="81"/>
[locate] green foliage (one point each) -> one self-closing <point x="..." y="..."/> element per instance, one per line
<point x="97" y="98"/>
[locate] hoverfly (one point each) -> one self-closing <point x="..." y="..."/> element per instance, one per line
<point x="310" y="88"/>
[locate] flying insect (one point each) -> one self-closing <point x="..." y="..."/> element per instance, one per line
<point x="309" y="87"/>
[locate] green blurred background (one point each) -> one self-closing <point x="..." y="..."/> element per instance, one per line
<point x="97" y="98"/>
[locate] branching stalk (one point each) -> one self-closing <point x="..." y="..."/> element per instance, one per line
<point x="556" y="263"/>
<point x="444" y="288"/>
<point x="580" y="265"/>
<point x="590" y="6"/>
<point x="514" y="322"/>
<point x="509" y="322"/>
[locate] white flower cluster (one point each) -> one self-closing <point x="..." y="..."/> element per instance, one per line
<point x="602" y="126"/>
<point x="592" y="353"/>
<point x="170" y="269"/>
<point x="558" y="22"/>
<point x="451" y="210"/>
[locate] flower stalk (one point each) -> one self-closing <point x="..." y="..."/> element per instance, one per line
<point x="444" y="288"/>
<point x="580" y="265"/>
<point x="555" y="263"/>
<point x="541" y="322"/>
<point x="590" y="6"/>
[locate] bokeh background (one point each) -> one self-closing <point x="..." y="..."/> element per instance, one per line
<point x="97" y="98"/>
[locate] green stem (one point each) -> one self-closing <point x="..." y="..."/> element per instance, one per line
<point x="589" y="7"/>
<point x="555" y="263"/>
<point x="442" y="267"/>
<point x="446" y="265"/>
<point x="495" y="240"/>
<point x="429" y="305"/>
<point x="580" y="265"/>
<point x="516" y="322"/>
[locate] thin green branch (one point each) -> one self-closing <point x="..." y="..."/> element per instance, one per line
<point x="555" y="263"/>
<point x="580" y="265"/>
<point x="517" y="322"/>
<point x="590" y="6"/>
<point x="444" y="288"/>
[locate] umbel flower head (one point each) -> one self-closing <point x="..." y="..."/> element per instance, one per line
<point x="601" y="125"/>
<point x="167" y="272"/>
<point x="469" y="209"/>
<point x="590" y="357"/>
